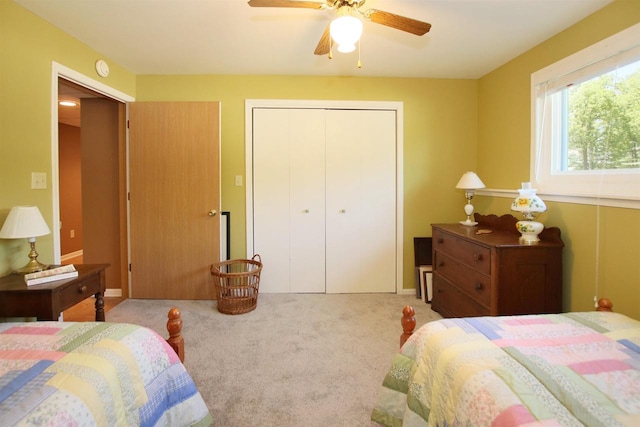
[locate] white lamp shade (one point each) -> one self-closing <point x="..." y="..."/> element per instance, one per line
<point x="470" y="181"/>
<point x="24" y="222"/>
<point x="346" y="31"/>
<point x="528" y="201"/>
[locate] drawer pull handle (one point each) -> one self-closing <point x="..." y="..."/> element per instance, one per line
<point x="478" y="257"/>
<point x="441" y="264"/>
<point x="82" y="289"/>
<point x="479" y="286"/>
<point x="441" y="240"/>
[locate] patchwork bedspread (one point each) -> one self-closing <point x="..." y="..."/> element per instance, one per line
<point x="85" y="374"/>
<point x="569" y="369"/>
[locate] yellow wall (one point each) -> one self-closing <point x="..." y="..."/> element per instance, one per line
<point x="450" y="126"/>
<point x="503" y="162"/>
<point x="439" y="136"/>
<point x="28" y="46"/>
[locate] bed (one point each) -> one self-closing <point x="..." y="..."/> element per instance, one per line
<point x="570" y="369"/>
<point x="96" y="373"/>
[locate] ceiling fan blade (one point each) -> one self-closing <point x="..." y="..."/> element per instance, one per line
<point x="324" y="45"/>
<point x="287" y="3"/>
<point x="398" y="22"/>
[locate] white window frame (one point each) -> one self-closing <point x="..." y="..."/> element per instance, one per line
<point x="607" y="187"/>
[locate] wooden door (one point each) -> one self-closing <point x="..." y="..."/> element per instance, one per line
<point x="288" y="189"/>
<point x="103" y="227"/>
<point x="174" y="185"/>
<point x="361" y="201"/>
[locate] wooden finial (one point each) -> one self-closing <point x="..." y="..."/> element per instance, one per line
<point x="408" y="323"/>
<point x="174" y="326"/>
<point x="604" y="304"/>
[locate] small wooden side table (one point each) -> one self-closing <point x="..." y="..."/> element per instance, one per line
<point x="48" y="300"/>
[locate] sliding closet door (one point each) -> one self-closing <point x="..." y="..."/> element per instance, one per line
<point x="361" y="210"/>
<point x="288" y="190"/>
<point x="271" y="178"/>
<point x="307" y="208"/>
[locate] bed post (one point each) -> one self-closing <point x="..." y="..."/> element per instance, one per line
<point x="604" y="304"/>
<point x="174" y="326"/>
<point x="408" y="323"/>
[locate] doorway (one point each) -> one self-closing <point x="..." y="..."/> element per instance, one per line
<point x="89" y="176"/>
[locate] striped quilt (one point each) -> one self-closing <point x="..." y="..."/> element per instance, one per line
<point x="572" y="369"/>
<point x="93" y="374"/>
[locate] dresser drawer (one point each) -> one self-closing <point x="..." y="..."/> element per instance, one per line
<point x="468" y="253"/>
<point x="449" y="301"/>
<point x="76" y="292"/>
<point x="474" y="283"/>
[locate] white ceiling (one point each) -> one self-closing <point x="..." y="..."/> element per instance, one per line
<point x="468" y="38"/>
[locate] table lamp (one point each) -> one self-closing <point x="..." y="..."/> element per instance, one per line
<point x="469" y="183"/>
<point x="26" y="222"/>
<point x="530" y="205"/>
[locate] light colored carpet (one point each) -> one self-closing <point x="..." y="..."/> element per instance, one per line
<point x="297" y="360"/>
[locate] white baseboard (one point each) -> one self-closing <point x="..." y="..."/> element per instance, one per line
<point x="407" y="291"/>
<point x="113" y="293"/>
<point x="71" y="255"/>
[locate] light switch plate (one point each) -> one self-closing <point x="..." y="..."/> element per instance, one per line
<point x="38" y="180"/>
<point x="238" y="180"/>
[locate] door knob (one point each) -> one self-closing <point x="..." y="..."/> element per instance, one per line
<point x="342" y="211"/>
<point x="305" y="211"/>
<point x="212" y="212"/>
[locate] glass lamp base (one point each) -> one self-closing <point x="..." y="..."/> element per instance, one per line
<point x="529" y="231"/>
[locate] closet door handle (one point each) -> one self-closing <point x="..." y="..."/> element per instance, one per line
<point x="305" y="211"/>
<point x="212" y="212"/>
<point x="342" y="211"/>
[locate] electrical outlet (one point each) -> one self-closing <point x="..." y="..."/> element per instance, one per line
<point x="72" y="233"/>
<point x="38" y="180"/>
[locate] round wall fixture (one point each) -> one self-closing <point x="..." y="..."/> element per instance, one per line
<point x="102" y="68"/>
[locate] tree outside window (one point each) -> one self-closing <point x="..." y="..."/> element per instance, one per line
<point x="585" y="124"/>
<point x="603" y="122"/>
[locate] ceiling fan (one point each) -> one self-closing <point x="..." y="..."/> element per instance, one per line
<point x="348" y="8"/>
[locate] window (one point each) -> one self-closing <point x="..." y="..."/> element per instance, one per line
<point x="586" y="122"/>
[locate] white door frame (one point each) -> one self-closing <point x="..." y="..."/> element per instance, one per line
<point x="250" y="104"/>
<point x="59" y="70"/>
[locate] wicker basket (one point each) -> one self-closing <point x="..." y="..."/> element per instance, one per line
<point x="236" y="282"/>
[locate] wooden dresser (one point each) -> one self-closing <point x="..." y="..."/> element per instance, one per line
<point x="492" y="273"/>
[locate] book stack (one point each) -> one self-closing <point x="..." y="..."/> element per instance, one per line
<point x="50" y="275"/>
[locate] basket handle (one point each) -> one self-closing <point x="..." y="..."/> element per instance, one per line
<point x="256" y="257"/>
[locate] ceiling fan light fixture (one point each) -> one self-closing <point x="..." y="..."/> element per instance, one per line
<point x="346" y="31"/>
<point x="346" y="48"/>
